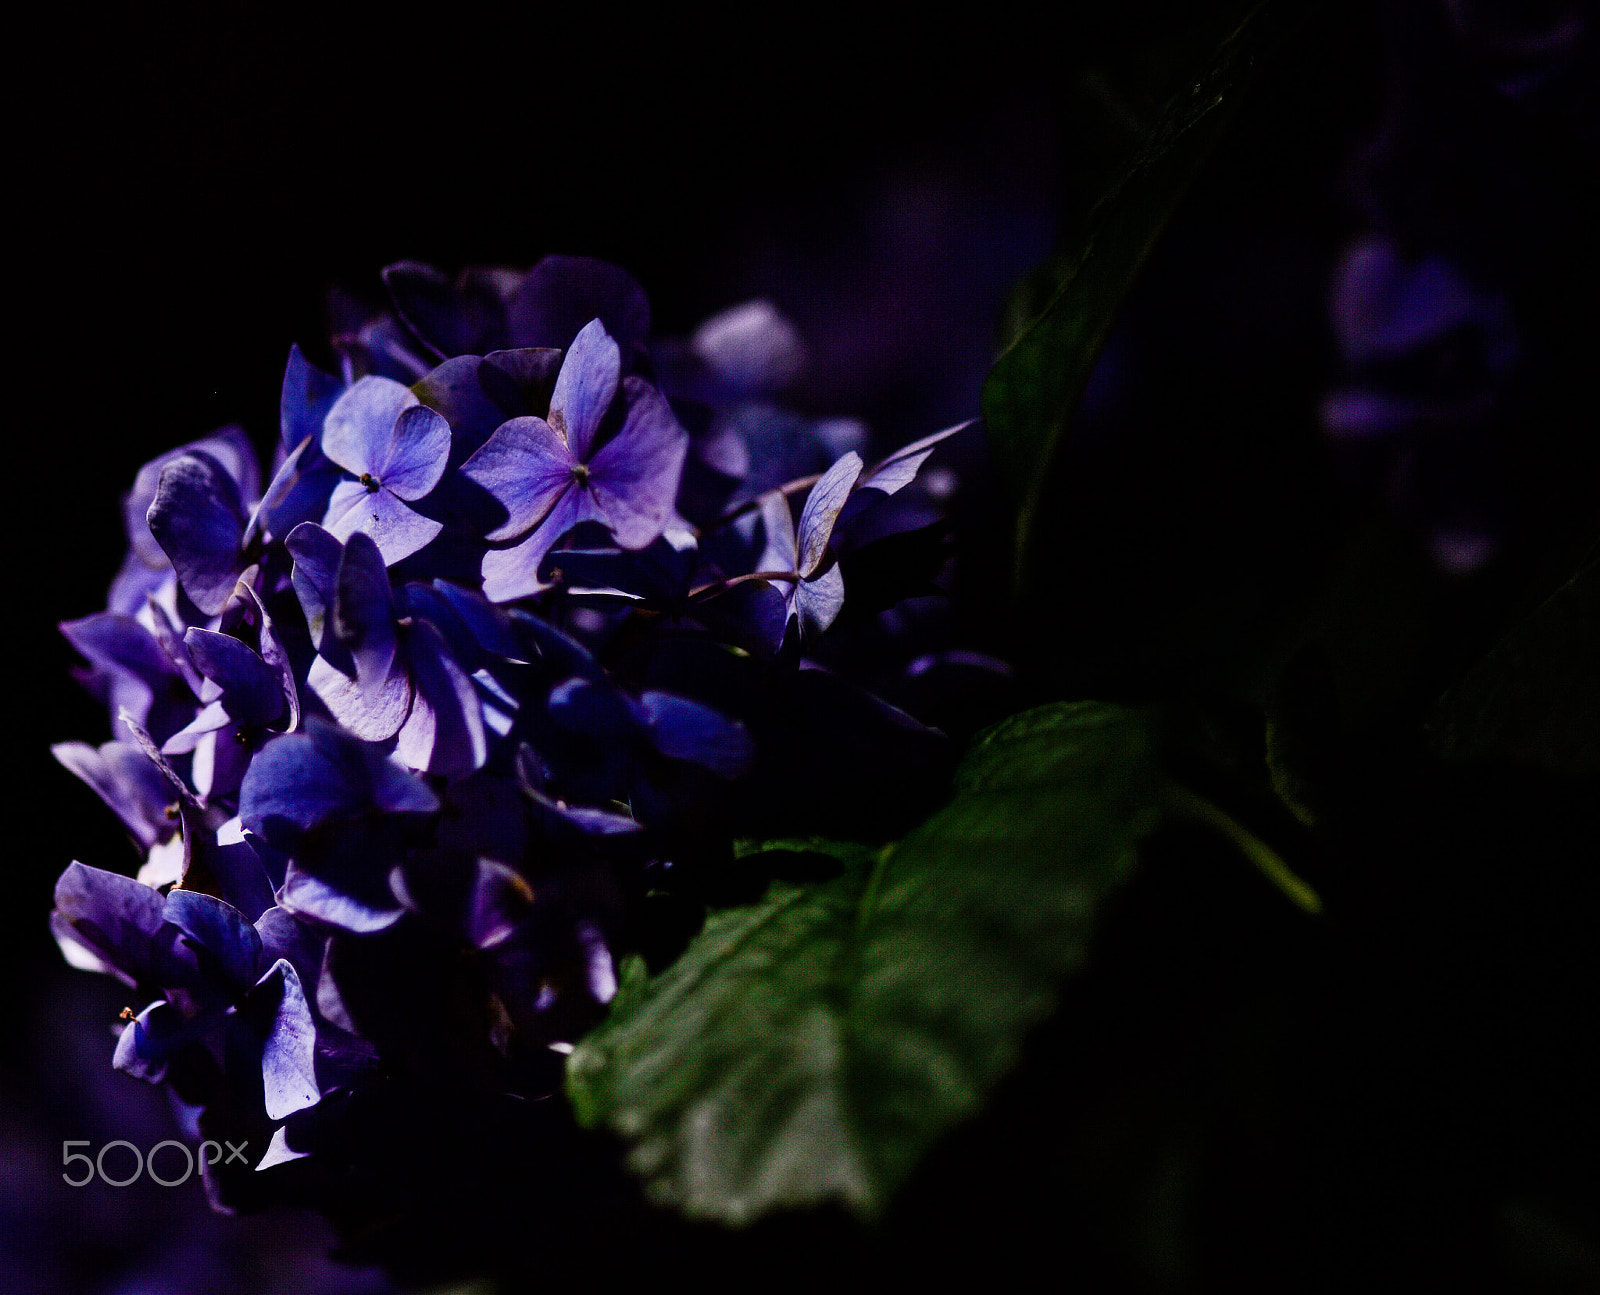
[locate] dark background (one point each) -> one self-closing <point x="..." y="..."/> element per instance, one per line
<point x="192" y="189"/>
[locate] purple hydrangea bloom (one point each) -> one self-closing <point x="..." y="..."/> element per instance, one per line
<point x="392" y="833"/>
<point x="551" y="474"/>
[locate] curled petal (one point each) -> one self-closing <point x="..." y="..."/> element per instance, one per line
<point x="198" y="519"/>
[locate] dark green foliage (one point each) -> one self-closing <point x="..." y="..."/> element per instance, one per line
<point x="814" y="1045"/>
<point x="1035" y="386"/>
<point x="1535" y="697"/>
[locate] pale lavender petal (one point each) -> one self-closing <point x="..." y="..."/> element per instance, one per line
<point x="585" y="386"/>
<point x="306" y="896"/>
<point x="635" y="475"/>
<point x="818" y="601"/>
<point x="822" y="510"/>
<point x="898" y="470"/>
<point x="279" y="1151"/>
<point x="750" y="348"/>
<point x="397" y="531"/>
<point x="778" y="524"/>
<point x="288" y="1068"/>
<point x="527" y="467"/>
<point x="209" y="720"/>
<point x="514" y="572"/>
<point x="358" y="431"/>
<point x="372" y="713"/>
<point x="417" y="454"/>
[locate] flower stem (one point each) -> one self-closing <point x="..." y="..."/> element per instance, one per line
<point x="1268" y="862"/>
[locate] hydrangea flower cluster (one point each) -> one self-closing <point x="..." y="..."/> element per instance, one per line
<point x="417" y="733"/>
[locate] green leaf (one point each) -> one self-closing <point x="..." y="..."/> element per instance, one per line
<point x="1036" y="384"/>
<point x="814" y="1045"/>
<point x="1535" y="697"/>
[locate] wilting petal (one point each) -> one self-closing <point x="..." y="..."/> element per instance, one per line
<point x="822" y="510"/>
